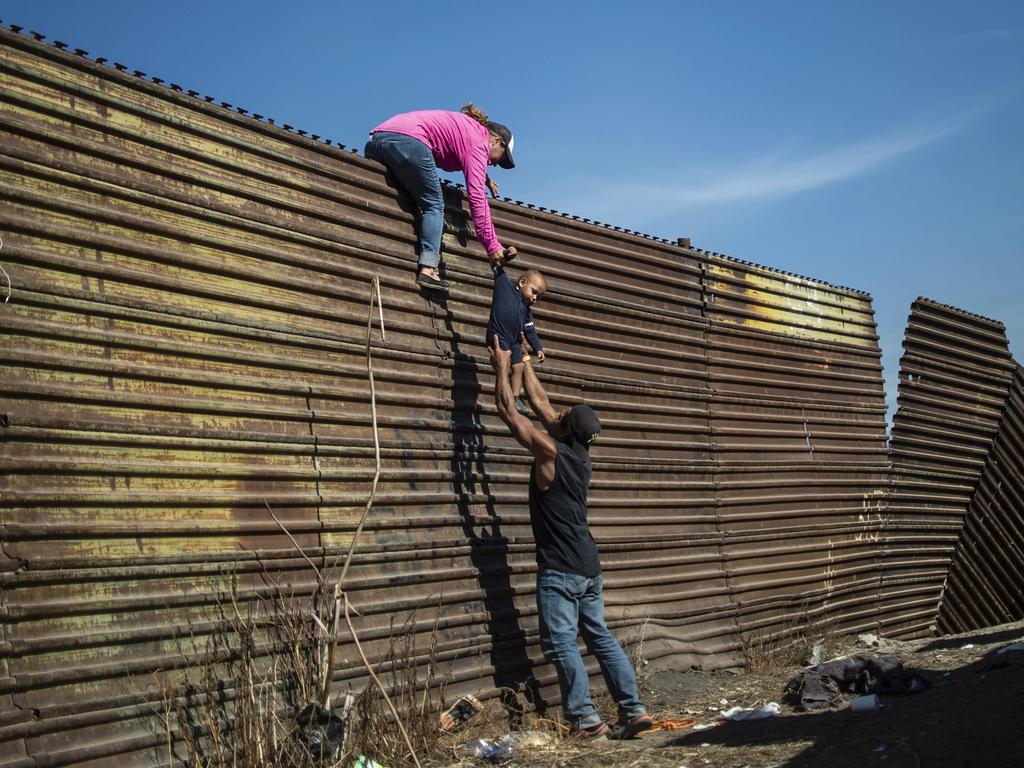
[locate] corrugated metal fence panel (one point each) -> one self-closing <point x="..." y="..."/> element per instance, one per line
<point x="798" y="426"/>
<point x="986" y="577"/>
<point x="954" y="379"/>
<point x="186" y="346"/>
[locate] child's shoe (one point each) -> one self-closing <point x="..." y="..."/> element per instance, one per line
<point x="522" y="407"/>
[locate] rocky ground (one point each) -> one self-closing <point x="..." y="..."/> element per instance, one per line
<point x="972" y="715"/>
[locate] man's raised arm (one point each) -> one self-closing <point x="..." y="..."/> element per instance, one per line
<point x="538" y="397"/>
<point x="541" y="445"/>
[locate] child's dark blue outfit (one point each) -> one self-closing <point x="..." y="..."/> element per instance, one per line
<point x="510" y="316"/>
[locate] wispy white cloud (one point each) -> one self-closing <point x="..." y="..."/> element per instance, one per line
<point x="773" y="177"/>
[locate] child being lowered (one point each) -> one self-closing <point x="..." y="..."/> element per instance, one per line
<point x="511" y="316"/>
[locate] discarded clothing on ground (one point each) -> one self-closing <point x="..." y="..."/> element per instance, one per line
<point x="813" y="691"/>
<point x="820" y="686"/>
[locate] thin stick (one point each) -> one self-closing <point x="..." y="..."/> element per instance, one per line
<point x="333" y="648"/>
<point x="380" y="307"/>
<point x="287" y="533"/>
<point x="8" y="279"/>
<point x="376" y="434"/>
<point x="380" y="685"/>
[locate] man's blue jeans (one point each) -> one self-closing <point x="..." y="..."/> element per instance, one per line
<point x="568" y="603"/>
<point x="413" y="164"/>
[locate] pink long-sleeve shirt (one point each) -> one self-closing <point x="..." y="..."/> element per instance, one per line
<point x="459" y="143"/>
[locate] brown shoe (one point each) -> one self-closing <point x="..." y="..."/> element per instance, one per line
<point x="593" y="732"/>
<point x="627" y="728"/>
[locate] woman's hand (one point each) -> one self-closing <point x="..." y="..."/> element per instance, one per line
<point x="493" y="186"/>
<point x="540" y="355"/>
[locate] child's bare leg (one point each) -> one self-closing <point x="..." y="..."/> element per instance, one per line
<point x="516" y="379"/>
<point x="516" y="382"/>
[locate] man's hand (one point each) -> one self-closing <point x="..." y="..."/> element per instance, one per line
<point x="541" y="445"/>
<point x="501" y="359"/>
<point x="534" y="390"/>
<point x="492" y="185"/>
<point x="525" y="346"/>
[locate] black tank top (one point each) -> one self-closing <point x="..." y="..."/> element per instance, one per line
<point x="559" y="515"/>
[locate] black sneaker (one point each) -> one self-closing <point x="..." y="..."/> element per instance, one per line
<point x="522" y="407"/>
<point x="432" y="283"/>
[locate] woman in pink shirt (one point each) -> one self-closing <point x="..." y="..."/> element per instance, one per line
<point x="415" y="144"/>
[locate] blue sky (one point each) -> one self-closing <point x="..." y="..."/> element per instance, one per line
<point x="877" y="145"/>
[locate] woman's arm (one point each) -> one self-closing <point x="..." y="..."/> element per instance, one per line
<point x="475" y="171"/>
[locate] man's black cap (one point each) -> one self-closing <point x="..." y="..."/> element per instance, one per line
<point x="506" y="136"/>
<point x="582" y="424"/>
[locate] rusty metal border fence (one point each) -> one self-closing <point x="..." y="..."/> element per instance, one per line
<point x="186" y="345"/>
<point x="985" y="586"/>
<point x="954" y="380"/>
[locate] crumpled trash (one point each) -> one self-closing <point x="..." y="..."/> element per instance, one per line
<point x="880" y="644"/>
<point x="364" y="762"/>
<point x="816" y="653"/>
<point x="532" y="740"/>
<point x="760" y="713"/>
<point x="865" y="703"/>
<point x="321" y="731"/>
<point x="494" y="751"/>
<point x="459" y="713"/>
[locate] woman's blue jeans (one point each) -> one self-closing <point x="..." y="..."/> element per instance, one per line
<point x="412" y="163"/>
<point x="568" y="604"/>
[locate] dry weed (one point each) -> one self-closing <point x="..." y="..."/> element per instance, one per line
<point x="634" y="648"/>
<point x="418" y="697"/>
<point x="247" y="681"/>
<point x="792" y="644"/>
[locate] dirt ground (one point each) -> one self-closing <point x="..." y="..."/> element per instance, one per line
<point x="973" y="715"/>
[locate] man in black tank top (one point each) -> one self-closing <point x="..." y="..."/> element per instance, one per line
<point x="570" y="596"/>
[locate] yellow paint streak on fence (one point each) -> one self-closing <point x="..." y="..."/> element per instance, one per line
<point x="796" y="307"/>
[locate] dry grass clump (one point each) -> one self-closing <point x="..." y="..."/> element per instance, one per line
<point x="248" y="678"/>
<point x="240" y="702"/>
<point x="419" y="698"/>
<point x="633" y="645"/>
<point x="792" y="644"/>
